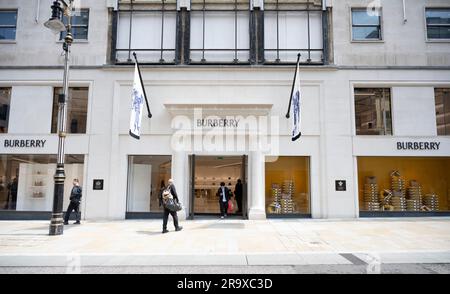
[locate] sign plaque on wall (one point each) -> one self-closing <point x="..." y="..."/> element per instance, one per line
<point x="341" y="185"/>
<point x="98" y="184"/>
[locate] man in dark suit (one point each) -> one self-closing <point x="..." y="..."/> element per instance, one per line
<point x="238" y="191"/>
<point x="224" y="196"/>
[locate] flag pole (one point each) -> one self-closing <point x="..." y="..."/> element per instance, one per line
<point x="142" y="83"/>
<point x="293" y="85"/>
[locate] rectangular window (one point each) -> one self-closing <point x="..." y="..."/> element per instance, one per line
<point x="26" y="181"/>
<point x="8" y="24"/>
<point x="373" y="111"/>
<point x="438" y="23"/>
<point x="290" y="29"/>
<point x="366" y="24"/>
<point x="147" y="174"/>
<point x="77" y="107"/>
<point x="5" y="102"/>
<point x="80" y="25"/>
<point x="220" y="32"/>
<point x="442" y="100"/>
<point x="149" y="30"/>
<point x="287" y="185"/>
<point x="416" y="184"/>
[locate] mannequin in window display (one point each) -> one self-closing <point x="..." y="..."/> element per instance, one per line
<point x="224" y="197"/>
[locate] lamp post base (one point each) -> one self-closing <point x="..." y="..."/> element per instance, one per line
<point x="56" y="224"/>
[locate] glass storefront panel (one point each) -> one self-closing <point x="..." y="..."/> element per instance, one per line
<point x="210" y="172"/>
<point x="287" y="185"/>
<point x="26" y="181"/>
<point x="147" y="174"/>
<point x="418" y="184"/>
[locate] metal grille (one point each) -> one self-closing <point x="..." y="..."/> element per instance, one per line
<point x="277" y="53"/>
<point x="161" y="52"/>
<point x="235" y="52"/>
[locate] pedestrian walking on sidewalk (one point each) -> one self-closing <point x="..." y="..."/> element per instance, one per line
<point x="75" y="201"/>
<point x="167" y="193"/>
<point x="224" y="197"/>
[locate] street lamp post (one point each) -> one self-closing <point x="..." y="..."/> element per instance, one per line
<point x="56" y="25"/>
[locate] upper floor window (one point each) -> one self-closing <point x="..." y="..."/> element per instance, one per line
<point x="8" y="24"/>
<point x="373" y="111"/>
<point x="442" y="100"/>
<point x="292" y="28"/>
<point x="80" y="25"/>
<point x="438" y="23"/>
<point x="220" y="32"/>
<point x="77" y="108"/>
<point x="149" y="29"/>
<point x="5" y="102"/>
<point x="366" y="24"/>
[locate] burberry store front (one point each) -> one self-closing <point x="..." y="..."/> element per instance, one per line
<point x="247" y="147"/>
<point x="28" y="149"/>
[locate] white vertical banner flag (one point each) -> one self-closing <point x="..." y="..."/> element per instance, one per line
<point x="137" y="105"/>
<point x="295" y="104"/>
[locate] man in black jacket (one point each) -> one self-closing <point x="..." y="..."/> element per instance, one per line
<point x="238" y="191"/>
<point x="173" y="191"/>
<point x="75" y="201"/>
<point x="224" y="196"/>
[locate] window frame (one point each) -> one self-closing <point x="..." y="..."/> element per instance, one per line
<point x="432" y="40"/>
<point x="355" y="127"/>
<point x="61" y="39"/>
<point x="435" y="96"/>
<point x="10" y="26"/>
<point x="231" y="8"/>
<point x="55" y="107"/>
<point x="307" y="8"/>
<point x="163" y="8"/>
<point x="380" y="26"/>
<point x="9" y="108"/>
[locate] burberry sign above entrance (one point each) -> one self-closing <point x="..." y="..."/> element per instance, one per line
<point x="24" y="143"/>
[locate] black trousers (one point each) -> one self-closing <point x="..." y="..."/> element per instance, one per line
<point x="223" y="207"/>
<point x="239" y="202"/>
<point x="73" y="206"/>
<point x="166" y="218"/>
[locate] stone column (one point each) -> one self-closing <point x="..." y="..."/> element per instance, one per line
<point x="180" y="178"/>
<point x="256" y="194"/>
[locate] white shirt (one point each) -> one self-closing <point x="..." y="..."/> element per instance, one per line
<point x="224" y="198"/>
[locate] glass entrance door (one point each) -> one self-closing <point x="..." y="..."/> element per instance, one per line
<point x="207" y="173"/>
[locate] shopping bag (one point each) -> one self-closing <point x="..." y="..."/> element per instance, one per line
<point x="230" y="207"/>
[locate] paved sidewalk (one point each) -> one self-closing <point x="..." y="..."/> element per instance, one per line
<point x="228" y="242"/>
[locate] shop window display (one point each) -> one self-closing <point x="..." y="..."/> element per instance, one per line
<point x="26" y="181"/>
<point x="147" y="174"/>
<point x="417" y="184"/>
<point x="287" y="185"/>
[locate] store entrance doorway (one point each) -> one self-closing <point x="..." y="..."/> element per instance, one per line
<point x="207" y="172"/>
